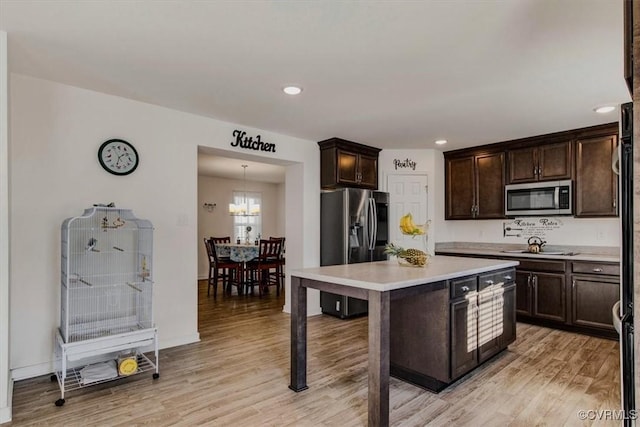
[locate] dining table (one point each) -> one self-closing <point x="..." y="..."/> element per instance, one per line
<point x="238" y="252"/>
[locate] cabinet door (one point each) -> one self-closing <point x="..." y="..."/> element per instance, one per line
<point x="460" y="188"/>
<point x="347" y="167"/>
<point x="596" y="183"/>
<point x="464" y="336"/>
<point x="508" y="316"/>
<point x="554" y="161"/>
<point x="593" y="297"/>
<point x="489" y="324"/>
<point x="368" y="168"/>
<point x="549" y="296"/>
<point x="489" y="179"/>
<point x="523" y="293"/>
<point x="523" y="165"/>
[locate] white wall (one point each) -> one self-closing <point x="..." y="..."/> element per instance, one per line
<point x="6" y="386"/>
<point x="573" y="231"/>
<point x="219" y="223"/>
<point x="55" y="133"/>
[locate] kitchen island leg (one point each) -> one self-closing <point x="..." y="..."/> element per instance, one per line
<point x="379" y="303"/>
<point x="298" y="336"/>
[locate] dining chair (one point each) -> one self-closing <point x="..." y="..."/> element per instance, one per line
<point x="269" y="252"/>
<point x="279" y="273"/>
<point x="216" y="240"/>
<point x="221" y="268"/>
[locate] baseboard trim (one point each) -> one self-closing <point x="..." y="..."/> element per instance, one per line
<point x="176" y="342"/>
<point x="5" y="413"/>
<point x="32" y="371"/>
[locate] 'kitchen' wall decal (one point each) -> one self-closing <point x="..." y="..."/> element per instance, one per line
<point x="249" y="143"/>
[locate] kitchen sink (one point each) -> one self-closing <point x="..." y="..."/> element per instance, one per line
<point x="524" y="251"/>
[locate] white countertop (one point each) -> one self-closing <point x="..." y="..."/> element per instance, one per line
<point x="388" y="275"/>
<point x="498" y="253"/>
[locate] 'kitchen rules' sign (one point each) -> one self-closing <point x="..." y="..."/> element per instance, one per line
<point x="527" y="227"/>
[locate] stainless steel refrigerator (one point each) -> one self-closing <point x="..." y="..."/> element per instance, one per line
<point x="623" y="316"/>
<point x="354" y="227"/>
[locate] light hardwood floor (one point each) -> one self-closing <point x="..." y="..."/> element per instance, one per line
<point x="238" y="376"/>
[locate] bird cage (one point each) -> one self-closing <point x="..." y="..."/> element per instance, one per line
<point x="106" y="274"/>
<point x="106" y="294"/>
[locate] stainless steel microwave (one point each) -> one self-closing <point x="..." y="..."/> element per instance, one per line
<point x="538" y="198"/>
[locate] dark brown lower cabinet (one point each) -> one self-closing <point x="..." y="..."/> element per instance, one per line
<point x="566" y="294"/>
<point x="592" y="300"/>
<point x="523" y="292"/>
<point x="509" y="316"/>
<point x="464" y="337"/>
<point x="548" y="300"/>
<point x="541" y="294"/>
<point x="438" y="337"/>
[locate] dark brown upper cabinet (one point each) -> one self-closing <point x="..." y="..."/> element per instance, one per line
<point x="596" y="186"/>
<point x="475" y="186"/>
<point x="348" y="164"/>
<point x="475" y="177"/>
<point x="540" y="163"/>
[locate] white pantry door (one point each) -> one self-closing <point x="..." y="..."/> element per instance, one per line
<point x="407" y="193"/>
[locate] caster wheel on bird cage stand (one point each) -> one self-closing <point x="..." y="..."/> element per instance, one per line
<point x="156" y="376"/>
<point x="59" y="402"/>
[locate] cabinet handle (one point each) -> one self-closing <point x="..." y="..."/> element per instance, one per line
<point x="597" y="270"/>
<point x="573" y="284"/>
<point x="614" y="203"/>
<point x="535" y="281"/>
<point x="507" y="278"/>
<point x="489" y="282"/>
<point x="539" y="170"/>
<point x="464" y="289"/>
<point x="529" y="281"/>
<point x="535" y="171"/>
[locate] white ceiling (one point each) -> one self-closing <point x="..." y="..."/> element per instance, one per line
<point x="391" y="74"/>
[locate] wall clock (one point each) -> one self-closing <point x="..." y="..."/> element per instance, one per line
<point x="118" y="157"/>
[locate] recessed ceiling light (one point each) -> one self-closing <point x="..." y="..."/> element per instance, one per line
<point x="441" y="141"/>
<point x="604" y="109"/>
<point x="292" y="90"/>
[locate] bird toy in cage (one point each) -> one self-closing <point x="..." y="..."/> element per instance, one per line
<point x="91" y="245"/>
<point x="117" y="223"/>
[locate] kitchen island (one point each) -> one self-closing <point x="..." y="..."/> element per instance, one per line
<point x="380" y="283"/>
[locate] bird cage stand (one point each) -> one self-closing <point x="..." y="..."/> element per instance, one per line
<point x="106" y="316"/>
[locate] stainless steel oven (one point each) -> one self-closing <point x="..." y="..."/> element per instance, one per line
<point x="538" y="198"/>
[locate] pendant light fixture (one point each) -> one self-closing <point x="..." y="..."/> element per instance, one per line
<point x="243" y="208"/>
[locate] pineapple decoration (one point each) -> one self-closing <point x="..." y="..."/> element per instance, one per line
<point x="411" y="256"/>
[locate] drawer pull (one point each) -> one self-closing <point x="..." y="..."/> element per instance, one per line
<point x="464" y="289"/>
<point x="489" y="282"/>
<point x="507" y="277"/>
<point x="597" y="270"/>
